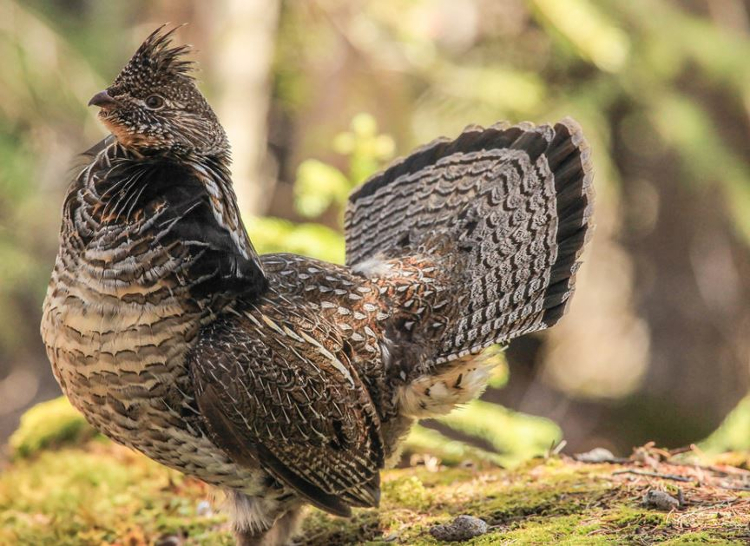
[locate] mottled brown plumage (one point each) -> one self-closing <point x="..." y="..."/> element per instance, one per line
<point x="282" y="379"/>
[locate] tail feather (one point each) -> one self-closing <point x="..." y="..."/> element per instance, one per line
<point x="569" y="160"/>
<point x="517" y="202"/>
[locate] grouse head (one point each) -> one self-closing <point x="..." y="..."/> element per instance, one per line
<point x="154" y="105"/>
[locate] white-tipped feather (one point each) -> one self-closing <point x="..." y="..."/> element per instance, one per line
<point x="434" y="395"/>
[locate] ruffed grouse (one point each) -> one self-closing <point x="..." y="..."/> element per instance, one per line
<point x="283" y="379"/>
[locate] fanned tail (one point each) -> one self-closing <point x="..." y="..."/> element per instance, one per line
<point x="516" y="200"/>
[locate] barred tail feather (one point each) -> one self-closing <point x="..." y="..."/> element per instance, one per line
<point x="517" y="201"/>
<point x="569" y="159"/>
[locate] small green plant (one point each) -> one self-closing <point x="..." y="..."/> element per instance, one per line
<point x="320" y="186"/>
<point x="49" y="425"/>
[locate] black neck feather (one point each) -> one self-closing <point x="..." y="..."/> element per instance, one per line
<point x="166" y="201"/>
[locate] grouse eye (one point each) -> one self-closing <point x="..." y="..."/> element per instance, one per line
<point x="154" y="102"/>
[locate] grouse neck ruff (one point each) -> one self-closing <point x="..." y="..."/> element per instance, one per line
<point x="281" y="379"/>
<point x="126" y="301"/>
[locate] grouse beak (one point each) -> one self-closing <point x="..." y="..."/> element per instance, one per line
<point x="102" y="100"/>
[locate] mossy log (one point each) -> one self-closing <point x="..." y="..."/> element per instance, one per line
<point x="74" y="488"/>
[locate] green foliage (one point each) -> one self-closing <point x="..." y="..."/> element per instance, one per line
<point x="515" y="437"/>
<point x="104" y="494"/>
<point x="366" y="149"/>
<point x="320" y="185"/>
<point x="585" y="28"/>
<point x="314" y="240"/>
<point x="684" y="124"/>
<point x="734" y="432"/>
<point x="48" y="425"/>
<point x="449" y="452"/>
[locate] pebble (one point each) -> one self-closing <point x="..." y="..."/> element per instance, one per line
<point x="596" y="455"/>
<point x="461" y="528"/>
<point x="660" y="500"/>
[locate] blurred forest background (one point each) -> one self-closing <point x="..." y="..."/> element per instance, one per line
<point x="318" y="94"/>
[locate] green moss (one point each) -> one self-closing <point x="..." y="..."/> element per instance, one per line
<point x="47" y="425"/>
<point x="567" y="530"/>
<point x="98" y="495"/>
<point x="409" y="492"/>
<point x="95" y="492"/>
<point x="102" y="493"/>
<point x="703" y="537"/>
<point x="542" y="502"/>
<point x="626" y="518"/>
<point x="522" y="506"/>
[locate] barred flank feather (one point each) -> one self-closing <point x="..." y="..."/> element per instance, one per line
<point x="517" y="201"/>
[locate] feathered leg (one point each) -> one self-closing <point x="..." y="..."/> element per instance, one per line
<point x="279" y="534"/>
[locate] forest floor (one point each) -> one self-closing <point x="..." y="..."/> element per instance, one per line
<point x="67" y="486"/>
